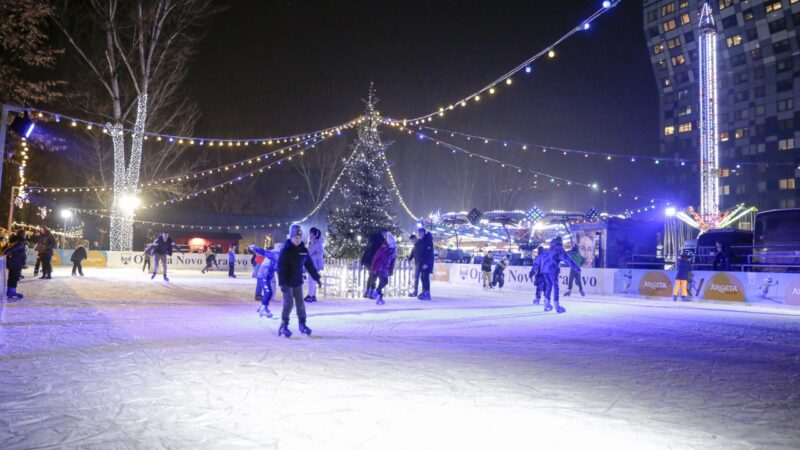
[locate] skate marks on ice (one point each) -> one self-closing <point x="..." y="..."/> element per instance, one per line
<point x="464" y="371"/>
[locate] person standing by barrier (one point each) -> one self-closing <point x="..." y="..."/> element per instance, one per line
<point x="374" y="243"/>
<point x="536" y="275"/>
<point x="426" y="259"/>
<point x="383" y="264"/>
<point x="486" y="269"/>
<point x="578" y="259"/>
<point x="684" y="268"/>
<point x="147" y="255"/>
<point x="722" y="259"/>
<point x="232" y="261"/>
<point x="15" y="253"/>
<point x="47" y="244"/>
<point x="162" y="248"/>
<point x="551" y="266"/>
<point x="291" y="262"/>
<point x="316" y="252"/>
<point x="78" y="255"/>
<point x="412" y="256"/>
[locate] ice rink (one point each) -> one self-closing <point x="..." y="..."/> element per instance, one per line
<point x="115" y="360"/>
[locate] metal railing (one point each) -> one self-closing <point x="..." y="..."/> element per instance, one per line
<point x="347" y="278"/>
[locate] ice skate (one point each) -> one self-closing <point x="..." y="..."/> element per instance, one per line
<point x="152" y="276"/>
<point x="413" y="294"/>
<point x="583" y="294"/>
<point x="12" y="293"/>
<point x="536" y="301"/>
<point x="263" y="311"/>
<point x="284" y="330"/>
<point x="304" y="329"/>
<point x="425" y="295"/>
<point x="674" y="298"/>
<point x="373" y="294"/>
<point x="685" y="299"/>
<point x="547" y="306"/>
<point x="567" y="294"/>
<point x="166" y="279"/>
<point x="379" y="300"/>
<point x="560" y="309"/>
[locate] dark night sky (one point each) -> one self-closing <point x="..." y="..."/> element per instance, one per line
<point x="268" y="67"/>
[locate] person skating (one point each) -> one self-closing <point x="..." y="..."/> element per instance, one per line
<point x="536" y="275"/>
<point x="412" y="256"/>
<point x="264" y="277"/>
<point x="211" y="259"/>
<point x="46" y="245"/>
<point x="15" y="253"/>
<point x="426" y="259"/>
<point x="291" y="262"/>
<point x="316" y="252"/>
<point x="383" y="264"/>
<point x="78" y="255"/>
<point x="499" y="274"/>
<point x="374" y="243"/>
<point x="232" y="261"/>
<point x="147" y="255"/>
<point x="551" y="266"/>
<point x="486" y="270"/>
<point x="578" y="259"/>
<point x="684" y="268"/>
<point x="162" y="248"/>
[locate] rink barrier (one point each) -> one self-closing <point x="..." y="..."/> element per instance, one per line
<point x="347" y="278"/>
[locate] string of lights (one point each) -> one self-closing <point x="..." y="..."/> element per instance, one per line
<point x="188" y="226"/>
<point x="331" y="190"/>
<point x="397" y="189"/>
<point x="524" y="146"/>
<point x="231" y="181"/>
<point x="506" y="79"/>
<point x="201" y="141"/>
<point x="553" y="179"/>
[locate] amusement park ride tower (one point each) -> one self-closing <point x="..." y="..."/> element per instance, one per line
<point x="710" y="216"/>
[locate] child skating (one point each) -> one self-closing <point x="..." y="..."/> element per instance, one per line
<point x="265" y="274"/>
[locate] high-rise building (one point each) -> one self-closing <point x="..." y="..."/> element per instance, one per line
<point x="758" y="88"/>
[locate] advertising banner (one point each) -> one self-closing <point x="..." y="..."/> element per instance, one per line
<point x="179" y="261"/>
<point x="517" y="279"/>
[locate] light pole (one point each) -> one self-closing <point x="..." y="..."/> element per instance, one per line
<point x="66" y="214"/>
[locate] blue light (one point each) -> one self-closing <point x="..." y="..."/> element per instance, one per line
<point x="606" y="4"/>
<point x="421" y="136"/>
<point x="29" y="130"/>
<point x="587" y="25"/>
<point x="528" y="69"/>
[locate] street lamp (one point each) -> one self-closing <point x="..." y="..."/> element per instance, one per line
<point x="129" y="203"/>
<point x="670" y="211"/>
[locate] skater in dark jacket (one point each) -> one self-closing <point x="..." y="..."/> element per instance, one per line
<point x="46" y="245"/>
<point x="551" y="266"/>
<point x="161" y="248"/>
<point x="77" y="260"/>
<point x="291" y="262"/>
<point x="426" y="259"/>
<point x="412" y="256"/>
<point x="499" y="275"/>
<point x="536" y="275"/>
<point x="574" y="276"/>
<point x="15" y="253"/>
<point x="383" y="264"/>
<point x="374" y="243"/>
<point x="684" y="267"/>
<point x="486" y="270"/>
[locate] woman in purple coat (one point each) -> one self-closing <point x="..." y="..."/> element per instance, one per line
<point x="383" y="263"/>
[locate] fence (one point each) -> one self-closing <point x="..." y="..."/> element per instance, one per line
<point x="347" y="278"/>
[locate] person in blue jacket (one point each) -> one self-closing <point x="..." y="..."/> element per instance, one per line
<point x="265" y="274"/>
<point x="15" y="252"/>
<point x="551" y="266"/>
<point x="536" y="275"/>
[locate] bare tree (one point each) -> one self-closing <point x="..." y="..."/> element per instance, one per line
<point x="137" y="53"/>
<point x="319" y="168"/>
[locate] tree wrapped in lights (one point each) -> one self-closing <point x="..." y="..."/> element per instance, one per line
<point x="366" y="205"/>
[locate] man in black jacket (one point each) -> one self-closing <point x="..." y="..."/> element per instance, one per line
<point x="291" y="261"/>
<point x="375" y="242"/>
<point x="425" y="256"/>
<point x="16" y="252"/>
<point x="46" y="244"/>
<point x="161" y="248"/>
<point x="413" y="257"/>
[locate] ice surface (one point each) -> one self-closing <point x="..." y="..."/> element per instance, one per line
<point x="115" y="360"/>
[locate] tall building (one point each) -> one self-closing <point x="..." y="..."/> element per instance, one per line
<point x="758" y="86"/>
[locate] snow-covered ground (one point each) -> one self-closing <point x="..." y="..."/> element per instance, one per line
<point x="115" y="360"/>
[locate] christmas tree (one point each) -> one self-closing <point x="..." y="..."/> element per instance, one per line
<point x="366" y="200"/>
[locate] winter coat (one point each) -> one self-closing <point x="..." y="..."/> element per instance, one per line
<point x="16" y="252"/>
<point x="292" y="260"/>
<point x="79" y="254"/>
<point x="162" y="247"/>
<point x="375" y="242"/>
<point x="232" y="257"/>
<point x="316" y="251"/>
<point x="383" y="262"/>
<point x="577" y="258"/>
<point x="266" y="270"/>
<point x="413" y="255"/>
<point x="535" y="274"/>
<point x="46" y="243"/>
<point x="425" y="253"/>
<point x="684" y="266"/>
<point x="551" y="264"/>
<point x="486" y="264"/>
<point x="500" y="268"/>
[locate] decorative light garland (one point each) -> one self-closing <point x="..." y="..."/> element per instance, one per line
<point x="506" y="79"/>
<point x="397" y="189"/>
<point x="192" y="227"/>
<point x="330" y="190"/>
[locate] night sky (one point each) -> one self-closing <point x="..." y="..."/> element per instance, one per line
<point x="268" y="68"/>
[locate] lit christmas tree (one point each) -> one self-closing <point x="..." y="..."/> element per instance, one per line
<point x="366" y="203"/>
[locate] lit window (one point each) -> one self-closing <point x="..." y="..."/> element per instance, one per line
<point x="786" y="183"/>
<point x="726" y="190"/>
<point x="666" y="82"/>
<point x="725" y="3"/>
<point x="685" y="127"/>
<point x="673" y="43"/>
<point x="773" y="6"/>
<point x="741" y="133"/>
<point x="685" y="3"/>
<point x="669" y="25"/>
<point x="685" y="111"/>
<point x="724" y="136"/>
<point x="685" y="19"/>
<point x="658" y="48"/>
<point x="785" y="105"/>
<point x="733" y="41"/>
<point x="678" y="60"/>
<point x="669" y="130"/>
<point x="786" y="144"/>
<point x="667" y="9"/>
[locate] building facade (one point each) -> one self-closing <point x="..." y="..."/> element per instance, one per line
<point x="758" y="71"/>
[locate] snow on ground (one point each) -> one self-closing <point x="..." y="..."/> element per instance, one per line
<point x="115" y="360"/>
